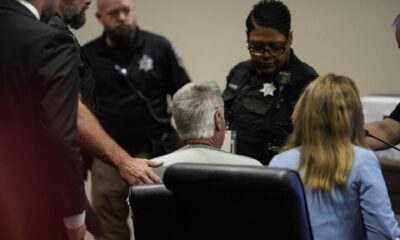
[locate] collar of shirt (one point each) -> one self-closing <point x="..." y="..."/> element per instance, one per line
<point x="30" y="7"/>
<point x="57" y="23"/>
<point x="199" y="145"/>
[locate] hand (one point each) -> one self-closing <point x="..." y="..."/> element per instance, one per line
<point x="77" y="233"/>
<point x="138" y="171"/>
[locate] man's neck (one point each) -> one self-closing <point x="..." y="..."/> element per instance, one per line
<point x="209" y="142"/>
<point x="59" y="14"/>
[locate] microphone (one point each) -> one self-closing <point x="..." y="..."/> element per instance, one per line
<point x="380" y="140"/>
<point x="124" y="73"/>
<point x="121" y="70"/>
<point x="282" y="81"/>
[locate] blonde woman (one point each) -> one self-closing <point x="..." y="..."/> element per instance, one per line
<point x="346" y="193"/>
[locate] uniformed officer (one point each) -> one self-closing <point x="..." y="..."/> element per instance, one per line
<point x="134" y="71"/>
<point x="261" y="92"/>
<point x="389" y="128"/>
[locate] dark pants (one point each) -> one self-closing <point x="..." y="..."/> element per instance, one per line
<point x="110" y="191"/>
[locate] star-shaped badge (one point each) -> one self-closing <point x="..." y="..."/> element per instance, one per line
<point x="146" y="63"/>
<point x="268" y="89"/>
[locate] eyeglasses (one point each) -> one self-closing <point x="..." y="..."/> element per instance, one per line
<point x="261" y="50"/>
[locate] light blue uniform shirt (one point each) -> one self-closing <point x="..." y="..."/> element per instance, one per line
<point x="359" y="210"/>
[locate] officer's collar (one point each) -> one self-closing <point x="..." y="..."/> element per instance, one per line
<point x="292" y="60"/>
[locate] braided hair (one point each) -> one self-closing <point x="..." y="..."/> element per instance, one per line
<point x="271" y="14"/>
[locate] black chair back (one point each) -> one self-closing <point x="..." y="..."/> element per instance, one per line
<point x="228" y="202"/>
<point x="154" y="213"/>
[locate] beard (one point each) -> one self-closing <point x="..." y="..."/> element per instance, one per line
<point x="74" y="17"/>
<point x="121" y="35"/>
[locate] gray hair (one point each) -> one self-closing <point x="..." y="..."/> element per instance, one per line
<point x="194" y="107"/>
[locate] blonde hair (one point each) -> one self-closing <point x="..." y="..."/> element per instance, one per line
<point x="327" y="120"/>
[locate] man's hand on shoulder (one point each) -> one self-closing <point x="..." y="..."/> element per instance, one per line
<point x="94" y="138"/>
<point x="138" y="171"/>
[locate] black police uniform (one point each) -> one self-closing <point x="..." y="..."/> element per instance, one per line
<point x="395" y="115"/>
<point x="259" y="114"/>
<point x="132" y="108"/>
<point x="153" y="72"/>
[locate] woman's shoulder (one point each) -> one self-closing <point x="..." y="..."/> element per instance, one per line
<point x="363" y="152"/>
<point x="364" y="157"/>
<point x="289" y="158"/>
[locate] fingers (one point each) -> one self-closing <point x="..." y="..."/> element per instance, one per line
<point x="153" y="177"/>
<point x="148" y="177"/>
<point x="155" y="163"/>
<point x="139" y="171"/>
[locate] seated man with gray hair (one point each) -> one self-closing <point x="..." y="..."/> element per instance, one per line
<point x="198" y="112"/>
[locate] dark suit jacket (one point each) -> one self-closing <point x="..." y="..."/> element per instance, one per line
<point x="86" y="90"/>
<point x="40" y="178"/>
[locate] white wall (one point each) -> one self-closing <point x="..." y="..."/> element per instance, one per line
<point x="351" y="37"/>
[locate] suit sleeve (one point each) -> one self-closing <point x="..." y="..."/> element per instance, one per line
<point x="59" y="102"/>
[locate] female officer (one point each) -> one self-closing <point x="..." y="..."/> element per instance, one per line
<point x="261" y="92"/>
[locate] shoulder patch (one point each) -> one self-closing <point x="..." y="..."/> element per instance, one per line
<point x="233" y="86"/>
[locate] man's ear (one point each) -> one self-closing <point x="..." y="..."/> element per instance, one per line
<point x="218" y="121"/>
<point x="98" y="16"/>
<point x="290" y="38"/>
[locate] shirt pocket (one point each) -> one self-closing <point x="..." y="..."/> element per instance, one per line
<point x="256" y="106"/>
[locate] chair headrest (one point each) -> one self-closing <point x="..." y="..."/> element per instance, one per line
<point x="230" y="178"/>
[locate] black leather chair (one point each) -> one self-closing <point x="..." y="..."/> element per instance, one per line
<point x="227" y="202"/>
<point x="154" y="213"/>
